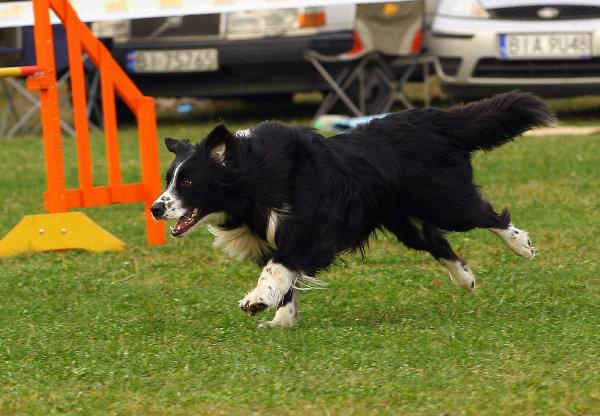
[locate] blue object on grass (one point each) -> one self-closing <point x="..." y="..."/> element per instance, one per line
<point x="340" y="123"/>
<point x="184" y="108"/>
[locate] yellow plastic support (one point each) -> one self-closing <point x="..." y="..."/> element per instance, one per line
<point x="51" y="232"/>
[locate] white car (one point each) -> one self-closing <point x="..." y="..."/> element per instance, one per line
<point x="258" y="52"/>
<point x="228" y="54"/>
<point x="550" y="47"/>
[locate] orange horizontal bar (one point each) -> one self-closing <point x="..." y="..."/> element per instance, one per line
<point x="104" y="195"/>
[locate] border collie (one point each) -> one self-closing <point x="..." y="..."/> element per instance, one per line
<point x="291" y="200"/>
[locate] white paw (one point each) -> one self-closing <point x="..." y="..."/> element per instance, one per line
<point x="517" y="240"/>
<point x="274" y="282"/>
<point x="460" y="273"/>
<point x="286" y="316"/>
<point x="252" y="303"/>
<point x="275" y="324"/>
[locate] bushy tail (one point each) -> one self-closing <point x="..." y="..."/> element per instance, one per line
<point x="494" y="121"/>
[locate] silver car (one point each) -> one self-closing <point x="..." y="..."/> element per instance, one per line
<point x="550" y="47"/>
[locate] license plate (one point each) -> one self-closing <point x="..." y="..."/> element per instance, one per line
<point x="546" y="45"/>
<point x="177" y="60"/>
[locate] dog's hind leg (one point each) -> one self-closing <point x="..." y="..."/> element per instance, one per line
<point x="477" y="212"/>
<point x="465" y="209"/>
<point x="274" y="283"/>
<point x="517" y="240"/>
<point x="460" y="272"/>
<point x="286" y="314"/>
<point x="422" y="236"/>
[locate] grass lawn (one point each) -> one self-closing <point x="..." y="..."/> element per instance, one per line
<point x="157" y="330"/>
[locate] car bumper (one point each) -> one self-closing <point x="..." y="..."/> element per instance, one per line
<point x="245" y="67"/>
<point x="468" y="56"/>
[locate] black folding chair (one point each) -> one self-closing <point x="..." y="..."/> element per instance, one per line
<point x="372" y="80"/>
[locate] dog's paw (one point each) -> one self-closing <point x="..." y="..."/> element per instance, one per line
<point x="285" y="317"/>
<point x="270" y="324"/>
<point x="465" y="278"/>
<point x="460" y="273"/>
<point x="252" y="305"/>
<point x="521" y="244"/>
<point x="277" y="323"/>
<point x="517" y="240"/>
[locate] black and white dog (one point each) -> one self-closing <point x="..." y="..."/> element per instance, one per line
<point x="291" y="200"/>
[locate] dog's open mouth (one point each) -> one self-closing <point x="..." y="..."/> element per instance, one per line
<point x="185" y="222"/>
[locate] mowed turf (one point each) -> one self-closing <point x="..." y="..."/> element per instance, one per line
<point x="157" y="330"/>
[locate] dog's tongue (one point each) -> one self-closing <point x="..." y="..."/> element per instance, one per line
<point x="185" y="222"/>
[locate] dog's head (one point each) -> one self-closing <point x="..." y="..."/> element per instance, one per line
<point x="195" y="178"/>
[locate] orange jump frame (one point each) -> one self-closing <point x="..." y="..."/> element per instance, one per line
<point x="62" y="230"/>
<point x="113" y="79"/>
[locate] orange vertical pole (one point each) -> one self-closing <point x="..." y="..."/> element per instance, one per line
<point x="110" y="124"/>
<point x="78" y="96"/>
<point x="55" y="198"/>
<point x="148" y="140"/>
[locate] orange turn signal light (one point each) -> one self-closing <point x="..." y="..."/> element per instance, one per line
<point x="311" y="17"/>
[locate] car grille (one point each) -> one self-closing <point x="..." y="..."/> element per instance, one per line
<point x="450" y="65"/>
<point x="536" y="68"/>
<point x="183" y="27"/>
<point x="531" y="12"/>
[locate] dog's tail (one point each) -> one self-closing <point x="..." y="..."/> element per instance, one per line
<point x="494" y="121"/>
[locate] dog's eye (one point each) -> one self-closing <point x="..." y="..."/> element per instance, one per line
<point x="186" y="183"/>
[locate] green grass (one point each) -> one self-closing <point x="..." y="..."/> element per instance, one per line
<point x="157" y="330"/>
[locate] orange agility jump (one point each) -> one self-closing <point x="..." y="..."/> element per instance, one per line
<point x="42" y="78"/>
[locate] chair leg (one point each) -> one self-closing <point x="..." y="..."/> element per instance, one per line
<point x="362" y="93"/>
<point x="358" y="74"/>
<point x="426" y="88"/>
<point x="340" y="92"/>
<point x="344" y="79"/>
<point x="403" y="79"/>
<point x="392" y="85"/>
<point x="21" y="119"/>
<point x="331" y="98"/>
<point x="6" y="110"/>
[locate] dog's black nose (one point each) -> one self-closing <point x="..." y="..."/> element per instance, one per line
<point x="158" y="209"/>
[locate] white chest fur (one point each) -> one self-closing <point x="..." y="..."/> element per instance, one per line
<point x="242" y="244"/>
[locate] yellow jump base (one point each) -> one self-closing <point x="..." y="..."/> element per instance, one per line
<point x="52" y="232"/>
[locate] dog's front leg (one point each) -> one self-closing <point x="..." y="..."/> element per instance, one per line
<point x="274" y="283"/>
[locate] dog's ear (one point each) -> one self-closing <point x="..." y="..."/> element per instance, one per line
<point x="171" y="144"/>
<point x="222" y="145"/>
<point x="174" y="145"/>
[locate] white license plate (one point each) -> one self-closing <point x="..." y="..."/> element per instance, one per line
<point x="545" y="45"/>
<point x="177" y="60"/>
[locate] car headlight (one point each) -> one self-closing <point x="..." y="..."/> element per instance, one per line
<point x="462" y="8"/>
